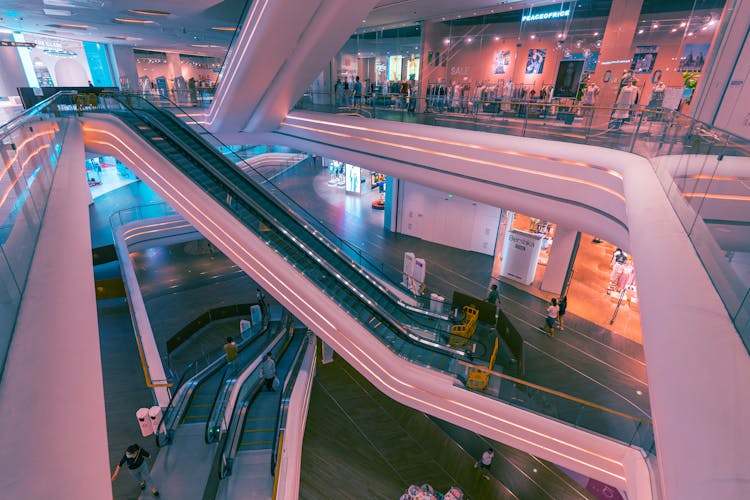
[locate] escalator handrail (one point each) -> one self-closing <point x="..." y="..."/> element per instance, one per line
<point x="310" y="219"/>
<point x="218" y="406"/>
<point x="398" y="328"/>
<point x="181" y="397"/>
<point x="286" y="391"/>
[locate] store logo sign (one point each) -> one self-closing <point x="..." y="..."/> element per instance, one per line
<point x="543" y="16"/>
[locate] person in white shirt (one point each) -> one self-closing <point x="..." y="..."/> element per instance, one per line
<point x="552" y="312"/>
<point x="486" y="461"/>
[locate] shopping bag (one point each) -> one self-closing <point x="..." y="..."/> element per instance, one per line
<point x="276" y="383"/>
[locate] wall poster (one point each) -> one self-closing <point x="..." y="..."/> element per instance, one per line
<point x="693" y="56"/>
<point x="568" y="76"/>
<point x="535" y="61"/>
<point x="644" y="58"/>
<point x="502" y="62"/>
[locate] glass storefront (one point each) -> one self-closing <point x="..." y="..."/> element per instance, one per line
<point x="592" y="52"/>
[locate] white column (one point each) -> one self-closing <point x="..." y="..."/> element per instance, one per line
<point x="560" y="258"/>
<point x="724" y="90"/>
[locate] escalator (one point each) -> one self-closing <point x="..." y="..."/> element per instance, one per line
<point x="248" y="452"/>
<point x="296" y="240"/>
<point x="294" y="261"/>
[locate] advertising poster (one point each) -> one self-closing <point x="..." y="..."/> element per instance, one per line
<point x="394" y="67"/>
<point x="568" y="76"/>
<point x="535" y="61"/>
<point x="644" y="58"/>
<point x="502" y="62"/>
<point x="590" y="62"/>
<point x="693" y="56"/>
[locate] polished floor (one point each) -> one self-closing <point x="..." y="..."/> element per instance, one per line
<point x="587" y="360"/>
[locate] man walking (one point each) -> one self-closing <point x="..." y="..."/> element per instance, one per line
<point x="486" y="461"/>
<point x="494" y="299"/>
<point x="135" y="457"/>
<point x="268" y="371"/>
<point x="261" y="298"/>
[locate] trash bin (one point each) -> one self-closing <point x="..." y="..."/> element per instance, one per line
<point x="144" y="422"/>
<point x="154" y="415"/>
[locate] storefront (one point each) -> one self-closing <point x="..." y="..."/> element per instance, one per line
<point x="105" y="174"/>
<point x="388" y="63"/>
<point x="182" y="77"/>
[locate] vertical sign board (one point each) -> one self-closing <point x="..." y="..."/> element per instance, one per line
<point x="408" y="268"/>
<point x="520" y="255"/>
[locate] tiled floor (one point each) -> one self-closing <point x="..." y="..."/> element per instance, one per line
<point x="586" y="360"/>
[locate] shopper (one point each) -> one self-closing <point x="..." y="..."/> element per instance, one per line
<point x="357" y="93"/>
<point x="135" y="457"/>
<point x="486" y="461"/>
<point x="563" y="305"/>
<point x="494" y="299"/>
<point x="231" y="349"/>
<point x="261" y="298"/>
<point x="268" y="371"/>
<point x="553" y="310"/>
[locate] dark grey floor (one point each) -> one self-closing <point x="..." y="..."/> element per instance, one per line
<point x="586" y="361"/>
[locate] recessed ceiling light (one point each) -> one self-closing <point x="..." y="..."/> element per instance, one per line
<point x="57" y="12"/>
<point x="655" y="25"/>
<point x="683" y="24"/>
<point x="674" y="29"/>
<point x="447" y="41"/>
<point x="497" y="38"/>
<point x="690" y="34"/>
<point x="70" y="26"/>
<point x="532" y="36"/>
<point x="133" y="21"/>
<point x="469" y="40"/>
<point x="146" y="12"/>
<point x="596" y="33"/>
<point x="224" y="28"/>
<point x="640" y="32"/>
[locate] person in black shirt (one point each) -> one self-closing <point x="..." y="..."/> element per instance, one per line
<point x="135" y="457"/>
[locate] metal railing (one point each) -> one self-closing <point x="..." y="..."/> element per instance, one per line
<point x="702" y="169"/>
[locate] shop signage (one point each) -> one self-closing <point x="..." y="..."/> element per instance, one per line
<point x="7" y="43"/>
<point x="460" y="70"/>
<point x="616" y="61"/>
<point x="543" y="16"/>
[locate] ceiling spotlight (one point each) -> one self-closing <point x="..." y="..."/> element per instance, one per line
<point x="690" y="34"/>
<point x="640" y="32"/>
<point x="447" y="41"/>
<point x="497" y="38"/>
<point x="655" y="26"/>
<point x="704" y="28"/>
<point x="469" y="40"/>
<point x="712" y="22"/>
<point x="596" y="33"/>
<point x="146" y="12"/>
<point x="674" y="29"/>
<point x="70" y="26"/>
<point x="532" y="36"/>
<point x="133" y="21"/>
<point x="683" y="24"/>
<point x="364" y="20"/>
<point x="559" y="35"/>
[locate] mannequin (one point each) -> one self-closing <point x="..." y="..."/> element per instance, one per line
<point x="590" y="94"/>
<point x="657" y="95"/>
<point x="627" y="98"/>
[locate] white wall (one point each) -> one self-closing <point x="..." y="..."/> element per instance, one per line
<point x="53" y="433"/>
<point x="449" y="220"/>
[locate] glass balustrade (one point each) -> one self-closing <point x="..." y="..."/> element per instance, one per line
<point x="703" y="170"/>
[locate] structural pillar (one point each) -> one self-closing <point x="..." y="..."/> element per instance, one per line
<point x="726" y="77"/>
<point x="561" y="257"/>
<point x="616" y="54"/>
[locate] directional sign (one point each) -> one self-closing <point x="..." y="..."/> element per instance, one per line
<point x="7" y="43"/>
